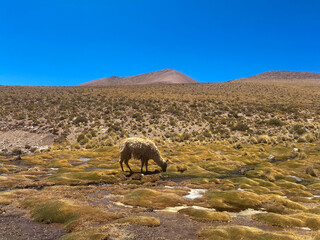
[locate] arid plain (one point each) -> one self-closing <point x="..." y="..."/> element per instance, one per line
<point x="244" y="160"/>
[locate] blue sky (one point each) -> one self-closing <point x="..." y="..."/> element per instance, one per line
<point x="68" y="42"/>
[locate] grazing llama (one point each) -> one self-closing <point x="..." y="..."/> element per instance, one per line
<point x="142" y="149"/>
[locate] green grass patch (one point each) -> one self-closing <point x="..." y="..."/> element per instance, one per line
<point x="140" y="220"/>
<point x="152" y="198"/>
<point x="65" y="212"/>
<point x="241" y="232"/>
<point x="278" y="204"/>
<point x="205" y="215"/>
<point x="232" y="200"/>
<point x="295" y="220"/>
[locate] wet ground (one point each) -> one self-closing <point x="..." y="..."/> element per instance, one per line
<point x="15" y="224"/>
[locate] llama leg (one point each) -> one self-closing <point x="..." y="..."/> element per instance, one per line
<point x="127" y="163"/>
<point x="121" y="161"/>
<point x="123" y="158"/>
<point x="142" y="163"/>
<point x="147" y="166"/>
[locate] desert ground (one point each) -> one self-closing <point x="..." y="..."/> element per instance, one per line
<point x="243" y="161"/>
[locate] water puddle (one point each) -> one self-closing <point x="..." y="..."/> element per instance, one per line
<point x="195" y="193"/>
<point x="125" y="205"/>
<point x="83" y="160"/>
<point x="242" y="189"/>
<point x="247" y="212"/>
<point x="314" y="196"/>
<point x="295" y="177"/>
<point x="172" y="209"/>
<point x="304" y="228"/>
<point x="177" y="208"/>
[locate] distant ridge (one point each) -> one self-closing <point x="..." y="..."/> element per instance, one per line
<point x="166" y="76"/>
<point x="282" y="75"/>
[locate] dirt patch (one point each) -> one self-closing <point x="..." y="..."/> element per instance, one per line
<point x="10" y="140"/>
<point x="16" y="225"/>
<point x="176" y="226"/>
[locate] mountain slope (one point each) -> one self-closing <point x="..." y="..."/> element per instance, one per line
<point x="166" y="76"/>
<point x="281" y="75"/>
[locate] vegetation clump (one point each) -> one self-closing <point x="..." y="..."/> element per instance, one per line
<point x="242" y="232"/>
<point x="309" y="220"/>
<point x="152" y="199"/>
<point x="278" y="204"/>
<point x="232" y="200"/>
<point x="140" y="220"/>
<point x="205" y="215"/>
<point x="87" y="234"/>
<point x="65" y="212"/>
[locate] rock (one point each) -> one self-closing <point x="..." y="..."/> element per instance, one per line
<point x="16" y="151"/>
<point x="33" y="149"/>
<point x="271" y="157"/>
<point x="2" y="211"/>
<point x="310" y="171"/>
<point x="296" y="150"/>
<point x="5" y="150"/>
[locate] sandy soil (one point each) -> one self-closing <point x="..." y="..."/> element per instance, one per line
<point x="15" y="224"/>
<point x="10" y="140"/>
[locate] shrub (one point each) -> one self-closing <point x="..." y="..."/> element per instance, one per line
<point x="275" y="122"/>
<point x="299" y="129"/>
<point x="241" y="232"/>
<point x="205" y="215"/>
<point x="80" y="119"/>
<point x="240" y="127"/>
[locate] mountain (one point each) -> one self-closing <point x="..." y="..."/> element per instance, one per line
<point x="282" y="75"/>
<point x="166" y="76"/>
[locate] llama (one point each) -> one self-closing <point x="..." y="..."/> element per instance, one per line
<point x="142" y="149"/>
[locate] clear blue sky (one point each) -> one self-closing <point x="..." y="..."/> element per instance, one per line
<point x="68" y="42"/>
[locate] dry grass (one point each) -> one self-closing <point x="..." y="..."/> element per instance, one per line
<point x="140" y="220"/>
<point x="152" y="199"/>
<point x="248" y="144"/>
<point x="242" y="232"/>
<point x="205" y="215"/>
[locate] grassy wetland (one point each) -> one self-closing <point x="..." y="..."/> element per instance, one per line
<point x="243" y="161"/>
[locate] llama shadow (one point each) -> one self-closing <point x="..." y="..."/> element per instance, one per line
<point x="144" y="173"/>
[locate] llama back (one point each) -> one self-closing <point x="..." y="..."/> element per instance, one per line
<point x="139" y="148"/>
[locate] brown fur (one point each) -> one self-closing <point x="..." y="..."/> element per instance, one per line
<point x="142" y="149"/>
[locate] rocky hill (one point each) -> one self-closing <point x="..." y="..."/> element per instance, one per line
<point x="166" y="76"/>
<point x="282" y="75"/>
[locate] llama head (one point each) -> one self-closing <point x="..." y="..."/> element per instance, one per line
<point x="164" y="166"/>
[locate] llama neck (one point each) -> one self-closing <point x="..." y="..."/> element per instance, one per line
<point x="159" y="161"/>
